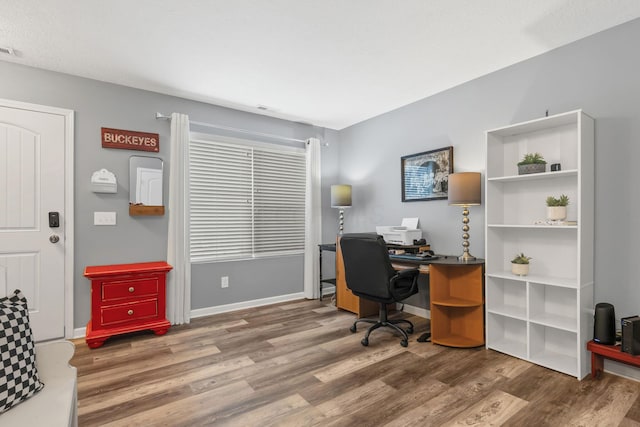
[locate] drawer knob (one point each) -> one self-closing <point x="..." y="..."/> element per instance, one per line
<point x="130" y="312"/>
<point x="131" y="289"/>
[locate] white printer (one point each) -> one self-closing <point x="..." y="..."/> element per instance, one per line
<point x="403" y="234"/>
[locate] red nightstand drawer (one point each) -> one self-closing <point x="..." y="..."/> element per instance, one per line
<point x="118" y="314"/>
<point x="131" y="288"/>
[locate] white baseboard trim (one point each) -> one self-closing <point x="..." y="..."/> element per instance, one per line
<point x="328" y="290"/>
<point x="621" y="369"/>
<point x="208" y="311"/>
<point x="201" y="312"/>
<point x="416" y="311"/>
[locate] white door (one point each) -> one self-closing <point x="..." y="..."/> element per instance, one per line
<point x="32" y="184"/>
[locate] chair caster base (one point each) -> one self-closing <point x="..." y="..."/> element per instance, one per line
<point x="365" y="342"/>
<point x="426" y="337"/>
<point x="353" y="329"/>
<point x="404" y="343"/>
<point x="409" y="331"/>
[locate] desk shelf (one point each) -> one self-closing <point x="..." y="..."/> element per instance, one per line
<point x="457" y="303"/>
<point x="459" y="341"/>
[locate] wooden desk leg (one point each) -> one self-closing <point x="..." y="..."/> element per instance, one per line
<point x="597" y="365"/>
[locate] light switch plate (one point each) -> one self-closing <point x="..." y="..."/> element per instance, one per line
<point x="104" y="218"/>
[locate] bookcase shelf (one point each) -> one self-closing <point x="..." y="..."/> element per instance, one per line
<point x="534" y="176"/>
<point x="543" y="317"/>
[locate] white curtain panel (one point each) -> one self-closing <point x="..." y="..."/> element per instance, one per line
<point x="313" y="224"/>
<point x="179" y="279"/>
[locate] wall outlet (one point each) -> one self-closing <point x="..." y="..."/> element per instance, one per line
<point x="224" y="282"/>
<point x="104" y="218"/>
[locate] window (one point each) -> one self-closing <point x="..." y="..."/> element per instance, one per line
<point x="247" y="199"/>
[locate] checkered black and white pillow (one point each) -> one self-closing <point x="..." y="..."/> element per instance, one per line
<point x="18" y="374"/>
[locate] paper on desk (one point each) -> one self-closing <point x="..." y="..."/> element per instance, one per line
<point x="410" y="223"/>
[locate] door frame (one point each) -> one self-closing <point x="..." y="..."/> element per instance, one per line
<point x="68" y="201"/>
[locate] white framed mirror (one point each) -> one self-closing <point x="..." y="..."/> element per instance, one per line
<point x="145" y="186"/>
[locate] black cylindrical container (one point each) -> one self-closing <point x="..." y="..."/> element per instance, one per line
<point x="604" y="324"/>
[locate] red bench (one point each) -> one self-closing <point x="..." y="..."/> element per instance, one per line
<point x="600" y="351"/>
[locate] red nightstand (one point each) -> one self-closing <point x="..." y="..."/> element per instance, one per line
<point x="126" y="298"/>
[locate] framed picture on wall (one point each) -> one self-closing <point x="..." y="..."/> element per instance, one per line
<point x="425" y="176"/>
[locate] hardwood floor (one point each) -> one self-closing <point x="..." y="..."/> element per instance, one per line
<point x="297" y="364"/>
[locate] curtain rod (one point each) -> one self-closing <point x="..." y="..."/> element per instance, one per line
<point x="160" y="116"/>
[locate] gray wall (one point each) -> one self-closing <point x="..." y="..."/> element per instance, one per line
<point x="138" y="239"/>
<point x="599" y="74"/>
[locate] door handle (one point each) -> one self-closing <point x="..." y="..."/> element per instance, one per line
<point x="54" y="238"/>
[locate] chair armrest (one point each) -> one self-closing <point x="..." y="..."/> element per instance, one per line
<point x="404" y="284"/>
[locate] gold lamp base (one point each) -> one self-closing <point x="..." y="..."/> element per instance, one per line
<point x="466" y="256"/>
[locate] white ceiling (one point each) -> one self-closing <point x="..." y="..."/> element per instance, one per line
<point x="332" y="63"/>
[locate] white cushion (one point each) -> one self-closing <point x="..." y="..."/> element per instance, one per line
<point x="56" y="403"/>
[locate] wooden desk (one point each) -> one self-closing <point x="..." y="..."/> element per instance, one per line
<point x="456" y="291"/>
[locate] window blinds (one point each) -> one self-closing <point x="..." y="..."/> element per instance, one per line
<point x="245" y="201"/>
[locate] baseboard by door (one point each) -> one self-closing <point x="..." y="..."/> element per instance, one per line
<point x="208" y="311"/>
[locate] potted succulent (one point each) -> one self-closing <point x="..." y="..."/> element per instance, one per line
<point x="520" y="265"/>
<point x="532" y="163"/>
<point x="557" y="207"/>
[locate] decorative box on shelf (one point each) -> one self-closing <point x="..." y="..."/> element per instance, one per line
<point x="126" y="298"/>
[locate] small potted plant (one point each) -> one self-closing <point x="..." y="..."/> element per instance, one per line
<point x="557" y="207"/>
<point x="532" y="163"/>
<point x="520" y="265"/>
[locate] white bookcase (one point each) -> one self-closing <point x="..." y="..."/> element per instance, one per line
<point x="545" y="317"/>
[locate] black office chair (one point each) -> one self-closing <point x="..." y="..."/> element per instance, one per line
<point x="369" y="275"/>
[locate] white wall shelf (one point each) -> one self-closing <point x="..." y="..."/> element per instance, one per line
<point x="535" y="176"/>
<point x="573" y="227"/>
<point x="546" y="316"/>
